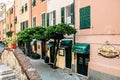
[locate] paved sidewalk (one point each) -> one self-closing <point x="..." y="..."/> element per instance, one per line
<point x="47" y="73"/>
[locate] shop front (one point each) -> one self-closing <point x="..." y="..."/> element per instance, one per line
<point x="82" y="53"/>
<point x="65" y="52"/>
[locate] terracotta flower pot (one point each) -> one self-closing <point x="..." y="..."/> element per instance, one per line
<point x="12" y="45"/>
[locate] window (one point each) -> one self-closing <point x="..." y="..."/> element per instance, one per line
<point x="10" y="25"/>
<point x="26" y="7"/>
<point x="24" y="25"/>
<point x="43" y="19"/>
<point x="52" y="18"/>
<point x="34" y="21"/>
<point x="85" y="17"/>
<point x="15" y="19"/>
<point x="11" y="11"/>
<point x="67" y="14"/>
<point x="34" y="3"/>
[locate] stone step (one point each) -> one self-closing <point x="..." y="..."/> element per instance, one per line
<point x="6" y="73"/>
<point x="5" y="69"/>
<point x="10" y="76"/>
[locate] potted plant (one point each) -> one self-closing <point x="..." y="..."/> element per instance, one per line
<point x="11" y="42"/>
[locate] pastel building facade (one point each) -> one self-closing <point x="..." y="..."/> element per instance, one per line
<point x="24" y="14"/>
<point x="1" y="30"/>
<point x="10" y="24"/>
<point x="38" y="8"/>
<point x="61" y="12"/>
<point x="97" y="24"/>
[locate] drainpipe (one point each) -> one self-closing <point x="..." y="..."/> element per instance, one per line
<point x="30" y="13"/>
<point x="74" y="20"/>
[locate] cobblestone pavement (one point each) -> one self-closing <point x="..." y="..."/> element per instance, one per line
<point x="47" y="73"/>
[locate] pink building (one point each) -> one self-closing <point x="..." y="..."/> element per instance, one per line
<point x="97" y="24"/>
<point x="10" y="24"/>
<point x="38" y="18"/>
<point x="38" y="8"/>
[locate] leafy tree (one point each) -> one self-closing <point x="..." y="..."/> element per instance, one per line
<point x="57" y="33"/>
<point x="29" y="34"/>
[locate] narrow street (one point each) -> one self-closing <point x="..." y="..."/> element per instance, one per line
<point x="47" y="73"/>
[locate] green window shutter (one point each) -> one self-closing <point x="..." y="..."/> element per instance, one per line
<point x="26" y="24"/>
<point x="47" y="19"/>
<point x="25" y="6"/>
<point x="54" y="17"/>
<point x="22" y="9"/>
<point x="72" y="13"/>
<point x="43" y="19"/>
<point x="85" y="17"/>
<point x="62" y="15"/>
<point x="21" y="25"/>
<point x="34" y="3"/>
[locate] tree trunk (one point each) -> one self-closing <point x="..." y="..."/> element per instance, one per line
<point x="56" y="51"/>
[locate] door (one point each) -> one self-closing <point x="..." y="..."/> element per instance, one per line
<point x="82" y="63"/>
<point x="68" y="57"/>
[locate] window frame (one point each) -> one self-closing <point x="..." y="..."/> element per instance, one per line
<point x="34" y="23"/>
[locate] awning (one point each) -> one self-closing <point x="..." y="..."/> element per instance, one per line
<point x="33" y="42"/>
<point x="66" y="43"/>
<point x="50" y="44"/>
<point x="81" y="48"/>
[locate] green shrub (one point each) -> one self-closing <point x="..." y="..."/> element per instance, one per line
<point x="35" y="56"/>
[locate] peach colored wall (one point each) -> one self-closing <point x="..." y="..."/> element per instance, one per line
<point x="41" y="7"/>
<point x="105" y="26"/>
<point x="102" y="64"/>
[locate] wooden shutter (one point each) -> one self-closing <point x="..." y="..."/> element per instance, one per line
<point x="62" y="15"/>
<point x="72" y="13"/>
<point x="43" y="19"/>
<point x="85" y="17"/>
<point x="47" y="19"/>
<point x="54" y="17"/>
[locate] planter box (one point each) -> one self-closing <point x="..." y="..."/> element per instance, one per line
<point x="12" y="45"/>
